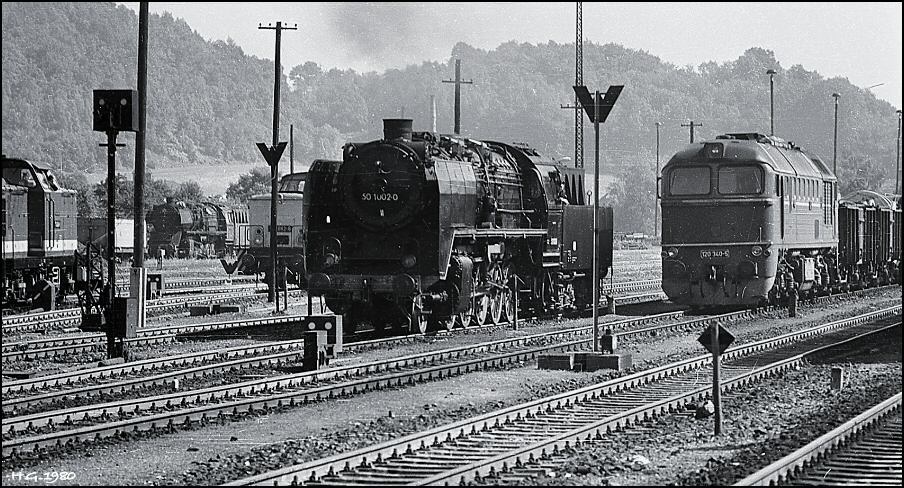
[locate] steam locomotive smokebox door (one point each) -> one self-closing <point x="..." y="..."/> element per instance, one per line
<point x="116" y="110"/>
<point x="577" y="238"/>
<point x="332" y="324"/>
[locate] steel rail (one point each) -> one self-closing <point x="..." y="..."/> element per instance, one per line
<point x="13" y="424"/>
<point x="60" y="381"/>
<point x="47" y="320"/>
<point x="550" y="409"/>
<point x="51" y="347"/>
<point x="884" y="418"/>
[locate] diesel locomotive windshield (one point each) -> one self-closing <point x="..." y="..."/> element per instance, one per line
<point x="740" y="180"/>
<point x="692" y="180"/>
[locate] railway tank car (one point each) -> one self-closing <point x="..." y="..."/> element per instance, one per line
<point x="39" y="235"/>
<point x="421" y="231"/>
<point x="749" y="219"/>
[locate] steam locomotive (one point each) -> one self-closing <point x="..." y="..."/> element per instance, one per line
<point x="39" y="235"/>
<point x="750" y="219"/>
<point x="196" y="229"/>
<point x="419" y="231"/>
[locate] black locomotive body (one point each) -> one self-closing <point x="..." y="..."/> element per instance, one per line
<point x="748" y="219"/>
<point x="420" y="230"/>
<point x="196" y="229"/>
<point x="39" y="235"/>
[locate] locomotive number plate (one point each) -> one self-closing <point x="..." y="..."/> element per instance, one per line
<point x="714" y="253"/>
<point x="283" y="228"/>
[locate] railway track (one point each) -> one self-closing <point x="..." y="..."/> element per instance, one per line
<point x="23" y="394"/>
<point x="68" y="427"/>
<point x="85" y="343"/>
<point x="43" y="348"/>
<point x="865" y="450"/>
<point x="72" y="317"/>
<point x="516" y="442"/>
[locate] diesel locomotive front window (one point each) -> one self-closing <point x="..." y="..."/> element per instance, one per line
<point x="740" y="180"/>
<point x="689" y="181"/>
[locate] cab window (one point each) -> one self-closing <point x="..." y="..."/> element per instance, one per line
<point x="292" y="183"/>
<point x="740" y="180"/>
<point x="693" y="180"/>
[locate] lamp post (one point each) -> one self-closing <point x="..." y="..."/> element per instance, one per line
<point x="771" y="73"/>
<point x="898" y="158"/>
<point x="656" y="180"/>
<point x="835" y="144"/>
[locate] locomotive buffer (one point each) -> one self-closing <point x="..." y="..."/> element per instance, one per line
<point x="597" y="108"/>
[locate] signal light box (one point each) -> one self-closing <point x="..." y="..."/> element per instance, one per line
<point x="116" y="110"/>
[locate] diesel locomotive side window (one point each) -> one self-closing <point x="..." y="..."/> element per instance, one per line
<point x="740" y="180"/>
<point x="689" y="181"/>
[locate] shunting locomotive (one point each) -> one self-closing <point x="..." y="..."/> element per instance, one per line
<point x="749" y="219"/>
<point x="421" y="231"/>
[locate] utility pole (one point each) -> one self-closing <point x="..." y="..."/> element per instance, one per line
<point x="835" y="139"/>
<point x="273" y="161"/>
<point x="458" y="82"/>
<point x="291" y="148"/>
<point x="771" y="73"/>
<point x="656" y="179"/>
<point x="138" y="276"/>
<point x="898" y="158"/>
<point x="692" y="125"/>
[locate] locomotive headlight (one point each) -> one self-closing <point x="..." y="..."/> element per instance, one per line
<point x="756" y="251"/>
<point x="669" y="253"/>
<point x="408" y="261"/>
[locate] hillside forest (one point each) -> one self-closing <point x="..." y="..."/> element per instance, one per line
<point x="209" y="103"/>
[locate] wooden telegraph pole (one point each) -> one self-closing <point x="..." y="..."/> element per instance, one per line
<point x="272" y="155"/>
<point x="458" y="82"/>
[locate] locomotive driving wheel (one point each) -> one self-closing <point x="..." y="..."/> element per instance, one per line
<point x="417" y="320"/>
<point x="463" y="319"/>
<point x="483" y="300"/>
<point x="496" y="294"/>
<point x="509" y="288"/>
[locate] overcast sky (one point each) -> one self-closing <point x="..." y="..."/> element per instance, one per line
<point x="858" y="41"/>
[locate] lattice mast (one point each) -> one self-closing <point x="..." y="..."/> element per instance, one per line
<point x="578" y="81"/>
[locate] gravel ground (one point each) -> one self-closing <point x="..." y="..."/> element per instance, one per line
<point x="761" y="424"/>
<point x="215" y="454"/>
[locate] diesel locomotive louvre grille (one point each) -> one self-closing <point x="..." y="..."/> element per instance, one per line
<point x="749" y="218"/>
<point x="419" y="228"/>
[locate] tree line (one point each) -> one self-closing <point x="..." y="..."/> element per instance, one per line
<point x="210" y="102"/>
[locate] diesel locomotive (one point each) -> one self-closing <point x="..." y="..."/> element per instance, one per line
<point x="39" y="235"/>
<point x="420" y="231"/>
<point x="289" y="232"/>
<point x="749" y="219"/>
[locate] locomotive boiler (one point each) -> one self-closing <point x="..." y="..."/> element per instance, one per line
<point x="419" y="230"/>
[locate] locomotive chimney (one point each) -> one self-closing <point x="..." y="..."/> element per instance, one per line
<point x="397" y="129"/>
